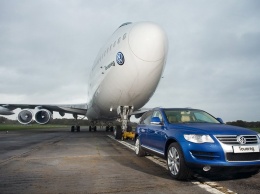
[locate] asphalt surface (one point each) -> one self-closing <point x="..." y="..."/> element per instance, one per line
<point x="58" y="161"/>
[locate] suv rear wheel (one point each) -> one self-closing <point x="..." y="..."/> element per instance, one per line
<point x="138" y="149"/>
<point x="176" y="163"/>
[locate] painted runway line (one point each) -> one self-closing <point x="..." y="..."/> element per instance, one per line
<point x="203" y="183"/>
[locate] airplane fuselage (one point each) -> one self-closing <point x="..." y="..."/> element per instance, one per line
<point x="127" y="69"/>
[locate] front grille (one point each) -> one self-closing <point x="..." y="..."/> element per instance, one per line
<point x="232" y="139"/>
<point x="243" y="156"/>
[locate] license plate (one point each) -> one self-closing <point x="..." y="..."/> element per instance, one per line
<point x="245" y="149"/>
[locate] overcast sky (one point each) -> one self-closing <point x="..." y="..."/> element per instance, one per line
<point x="47" y="48"/>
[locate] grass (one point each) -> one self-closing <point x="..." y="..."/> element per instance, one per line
<point x="12" y="127"/>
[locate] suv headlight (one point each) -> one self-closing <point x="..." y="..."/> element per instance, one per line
<point x="198" y="138"/>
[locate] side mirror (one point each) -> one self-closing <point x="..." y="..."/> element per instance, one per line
<point x="220" y="120"/>
<point x="156" y="121"/>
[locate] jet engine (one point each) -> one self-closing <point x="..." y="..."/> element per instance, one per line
<point x="25" y="116"/>
<point x="43" y="116"/>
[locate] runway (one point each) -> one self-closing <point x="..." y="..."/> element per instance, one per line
<point x="58" y="161"/>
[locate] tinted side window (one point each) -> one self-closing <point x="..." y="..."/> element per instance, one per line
<point x="158" y="114"/>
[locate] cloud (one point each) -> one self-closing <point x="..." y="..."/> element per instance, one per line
<point x="47" y="49"/>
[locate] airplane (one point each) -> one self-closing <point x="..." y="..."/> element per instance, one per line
<point x="124" y="76"/>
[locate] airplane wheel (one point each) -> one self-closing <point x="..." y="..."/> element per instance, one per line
<point x="118" y="132"/>
<point x="111" y="129"/>
<point x="72" y="128"/>
<point x="78" y="128"/>
<point x="90" y="128"/>
<point x="129" y="128"/>
<point x="95" y="128"/>
<point x="107" y="128"/>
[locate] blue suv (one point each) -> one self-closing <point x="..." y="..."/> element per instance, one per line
<point x="193" y="140"/>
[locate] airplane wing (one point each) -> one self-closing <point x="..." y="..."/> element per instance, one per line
<point x="42" y="113"/>
<point x="46" y="110"/>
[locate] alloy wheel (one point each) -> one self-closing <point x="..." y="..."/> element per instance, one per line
<point x="173" y="161"/>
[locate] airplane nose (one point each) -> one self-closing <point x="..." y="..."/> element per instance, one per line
<point x="148" y="41"/>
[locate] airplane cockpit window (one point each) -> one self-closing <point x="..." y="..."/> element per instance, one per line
<point x="124" y="24"/>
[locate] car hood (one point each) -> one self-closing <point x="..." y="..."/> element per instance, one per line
<point x="212" y="128"/>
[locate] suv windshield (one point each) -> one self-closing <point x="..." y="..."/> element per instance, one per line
<point x="188" y="116"/>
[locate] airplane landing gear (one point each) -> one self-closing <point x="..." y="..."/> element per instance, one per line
<point x="76" y="127"/>
<point x="124" y="112"/>
<point x="118" y="132"/>
<point x="92" y="126"/>
<point x="109" y="127"/>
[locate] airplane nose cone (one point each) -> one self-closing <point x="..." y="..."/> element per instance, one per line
<point x="148" y="41"/>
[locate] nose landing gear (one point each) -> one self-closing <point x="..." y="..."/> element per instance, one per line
<point x="124" y="113"/>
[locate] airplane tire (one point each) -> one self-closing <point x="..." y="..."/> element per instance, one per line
<point x="90" y="128"/>
<point x="78" y="128"/>
<point x="72" y="128"/>
<point x="129" y="128"/>
<point x="111" y="129"/>
<point x="118" y="132"/>
<point x="107" y="128"/>
<point x="95" y="128"/>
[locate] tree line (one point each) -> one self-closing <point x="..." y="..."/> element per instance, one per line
<point x="241" y="123"/>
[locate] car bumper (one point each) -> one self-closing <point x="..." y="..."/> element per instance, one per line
<point x="215" y="156"/>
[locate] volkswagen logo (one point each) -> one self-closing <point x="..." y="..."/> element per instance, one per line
<point x="120" y="59"/>
<point x="241" y="140"/>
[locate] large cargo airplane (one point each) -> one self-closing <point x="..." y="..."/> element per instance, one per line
<point x="124" y="76"/>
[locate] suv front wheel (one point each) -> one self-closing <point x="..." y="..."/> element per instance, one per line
<point x="176" y="164"/>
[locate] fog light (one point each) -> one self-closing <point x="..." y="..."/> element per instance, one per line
<point x="206" y="168"/>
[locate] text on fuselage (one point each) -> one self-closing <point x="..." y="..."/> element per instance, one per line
<point x="110" y="65"/>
